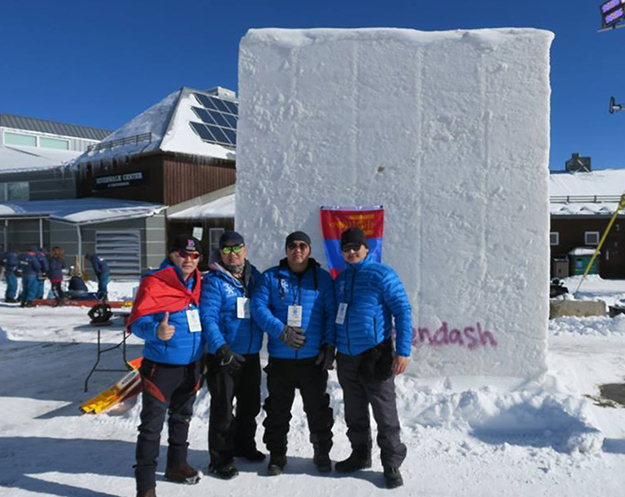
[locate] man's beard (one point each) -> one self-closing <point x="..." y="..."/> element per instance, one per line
<point x="236" y="269"/>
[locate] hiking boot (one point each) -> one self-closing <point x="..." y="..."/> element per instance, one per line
<point x="252" y="455"/>
<point x="322" y="462"/>
<point x="360" y="458"/>
<point x="226" y="472"/>
<point x="186" y="475"/>
<point x="147" y="493"/>
<point x="276" y="465"/>
<point x="393" y="477"/>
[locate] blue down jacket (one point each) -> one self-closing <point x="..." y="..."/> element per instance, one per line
<point x="374" y="294"/>
<point x="29" y="264"/>
<point x="218" y="309"/>
<point x="314" y="291"/>
<point x="184" y="347"/>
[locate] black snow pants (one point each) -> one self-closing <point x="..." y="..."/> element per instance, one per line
<point x="283" y="377"/>
<point x="358" y="393"/>
<point x="229" y="432"/>
<point x="165" y="388"/>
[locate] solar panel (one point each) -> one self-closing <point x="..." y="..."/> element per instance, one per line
<point x="232" y="136"/>
<point x="234" y="109"/>
<point x="219" y="104"/>
<point x="232" y="121"/>
<point x="202" y="130"/>
<point x="205" y="101"/>
<point x="204" y="115"/>
<point x="219" y="135"/>
<point x="219" y="120"/>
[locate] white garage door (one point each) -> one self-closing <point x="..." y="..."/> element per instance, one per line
<point x="121" y="250"/>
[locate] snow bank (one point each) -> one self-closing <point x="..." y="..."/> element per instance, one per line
<point x="450" y="132"/>
<point x="588" y="326"/>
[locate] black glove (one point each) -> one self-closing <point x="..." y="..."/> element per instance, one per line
<point x="326" y="357"/>
<point x="293" y="337"/>
<point x="229" y="359"/>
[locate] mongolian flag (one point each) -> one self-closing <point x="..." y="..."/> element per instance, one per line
<point x="335" y="220"/>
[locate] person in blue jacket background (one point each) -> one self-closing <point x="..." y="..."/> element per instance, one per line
<point x="10" y="262"/>
<point x="42" y="257"/>
<point x="295" y="306"/>
<point x="29" y="267"/>
<point x="369" y="295"/>
<point x="165" y="314"/>
<point x="232" y="362"/>
<point x="101" y="270"/>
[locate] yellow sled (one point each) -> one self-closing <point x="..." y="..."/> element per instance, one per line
<point x="127" y="387"/>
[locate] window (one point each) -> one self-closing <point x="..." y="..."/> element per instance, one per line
<point x="591" y="238"/>
<point x="20" y="139"/>
<point x="554" y="238"/>
<point x="213" y="238"/>
<point x="14" y="191"/>
<point x="120" y="249"/>
<point x="53" y="143"/>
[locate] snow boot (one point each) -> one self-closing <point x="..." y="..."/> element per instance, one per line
<point x="392" y="476"/>
<point x="276" y="464"/>
<point x="186" y="475"/>
<point x="360" y="458"/>
<point x="322" y="460"/>
<point x="147" y="493"/>
<point x="226" y="472"/>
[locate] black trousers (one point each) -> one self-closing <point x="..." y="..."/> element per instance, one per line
<point x="358" y="393"/>
<point x="231" y="431"/>
<point x="166" y="388"/>
<point x="283" y="377"/>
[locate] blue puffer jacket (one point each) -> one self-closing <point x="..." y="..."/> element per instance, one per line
<point x="281" y="288"/>
<point x="43" y="262"/>
<point x="29" y="265"/>
<point x="184" y="347"/>
<point x="10" y="261"/>
<point x="56" y="268"/>
<point x="218" y="309"/>
<point x="374" y="294"/>
<point x="100" y="266"/>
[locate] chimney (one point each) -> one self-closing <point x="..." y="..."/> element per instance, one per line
<point x="577" y="164"/>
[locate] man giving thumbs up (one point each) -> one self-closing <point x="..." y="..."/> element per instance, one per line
<point x="165" y="314"/>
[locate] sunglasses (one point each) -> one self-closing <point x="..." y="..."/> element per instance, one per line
<point x="351" y="246"/>
<point x="237" y="249"/>
<point x="192" y="255"/>
<point x="302" y="246"/>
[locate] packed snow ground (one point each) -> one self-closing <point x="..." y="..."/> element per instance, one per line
<point x="465" y="436"/>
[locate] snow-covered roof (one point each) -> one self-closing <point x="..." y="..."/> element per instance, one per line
<point x="79" y="210"/>
<point x="166" y="126"/>
<point x="586" y="194"/>
<point x="21" y="159"/>
<point x="53" y="127"/>
<point x="219" y="208"/>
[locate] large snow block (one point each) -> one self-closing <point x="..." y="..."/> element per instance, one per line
<point x="449" y="131"/>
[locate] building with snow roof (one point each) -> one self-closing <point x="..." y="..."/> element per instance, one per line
<point x="582" y="202"/>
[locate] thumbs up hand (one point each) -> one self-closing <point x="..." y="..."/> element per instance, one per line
<point x="165" y="331"/>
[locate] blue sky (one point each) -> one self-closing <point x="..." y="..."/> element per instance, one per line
<point x="102" y="63"/>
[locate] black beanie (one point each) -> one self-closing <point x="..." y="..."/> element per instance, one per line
<point x="353" y="235"/>
<point x="297" y="236"/>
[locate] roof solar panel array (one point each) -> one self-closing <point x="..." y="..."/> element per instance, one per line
<point x="218" y="120"/>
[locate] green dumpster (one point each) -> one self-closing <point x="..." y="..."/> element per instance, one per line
<point x="580" y="257"/>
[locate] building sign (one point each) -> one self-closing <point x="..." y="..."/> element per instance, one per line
<point x="121" y="180"/>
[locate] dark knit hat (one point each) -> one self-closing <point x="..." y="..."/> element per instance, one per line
<point x="355" y="236"/>
<point x="185" y="242"/>
<point x="230" y="238"/>
<point x="297" y="236"/>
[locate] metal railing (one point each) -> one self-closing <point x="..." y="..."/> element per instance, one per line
<point x="586" y="199"/>
<point x="121" y="142"/>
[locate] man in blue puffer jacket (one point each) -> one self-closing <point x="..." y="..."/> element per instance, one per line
<point x="232" y="362"/>
<point x="295" y="306"/>
<point x="369" y="295"/>
<point x="165" y="314"/>
<point x="29" y="267"/>
<point x="102" y="273"/>
<point x="42" y="257"/>
<point x="10" y="263"/>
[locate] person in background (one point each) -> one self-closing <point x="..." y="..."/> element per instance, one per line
<point x="295" y="306"/>
<point x="232" y="362"/>
<point x="10" y="262"/>
<point x="42" y="257"/>
<point x="101" y="270"/>
<point x="76" y="287"/>
<point x="57" y="264"/>
<point x="369" y="295"/>
<point x="29" y="267"/>
<point x="165" y="314"/>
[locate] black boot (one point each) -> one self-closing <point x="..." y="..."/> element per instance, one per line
<point x="322" y="460"/>
<point x="186" y="475"/>
<point x="359" y="459"/>
<point x="393" y="477"/>
<point x="226" y="471"/>
<point x="277" y="462"/>
<point x="252" y="455"/>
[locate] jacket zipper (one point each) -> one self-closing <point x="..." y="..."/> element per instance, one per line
<point x="351" y="298"/>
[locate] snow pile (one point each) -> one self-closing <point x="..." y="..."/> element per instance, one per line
<point x="449" y="131"/>
<point x="588" y="326"/>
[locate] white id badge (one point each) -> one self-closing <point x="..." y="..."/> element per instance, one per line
<point x="341" y="313"/>
<point x="193" y="318"/>
<point x="243" y="308"/>
<point x="295" y="316"/>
